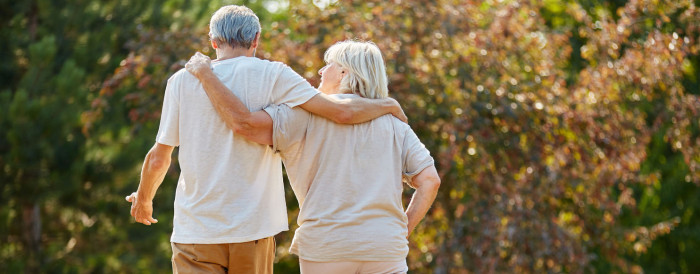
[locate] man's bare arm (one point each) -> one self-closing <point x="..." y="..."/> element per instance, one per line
<point x="155" y="166"/>
<point x="352" y="111"/>
<point x="254" y="126"/>
<point x="427" y="183"/>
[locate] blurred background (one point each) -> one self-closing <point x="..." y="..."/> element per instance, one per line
<point x="566" y="133"/>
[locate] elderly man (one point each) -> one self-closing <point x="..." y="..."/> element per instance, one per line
<point x="229" y="201"/>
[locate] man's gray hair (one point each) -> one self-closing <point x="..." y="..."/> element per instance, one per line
<point x="234" y="26"/>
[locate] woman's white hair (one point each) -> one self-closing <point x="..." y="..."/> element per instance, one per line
<point x="365" y="66"/>
<point x="235" y="26"/>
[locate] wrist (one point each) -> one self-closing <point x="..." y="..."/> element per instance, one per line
<point x="200" y="72"/>
<point x="391" y="105"/>
<point x="144" y="199"/>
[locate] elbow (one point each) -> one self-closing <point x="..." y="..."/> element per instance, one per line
<point x="427" y="184"/>
<point x="243" y="127"/>
<point x="433" y="183"/>
<point x="344" y="117"/>
<point x="436" y="184"/>
<point x="156" y="162"/>
<point x="238" y="123"/>
<point x="242" y="132"/>
<point x="237" y="129"/>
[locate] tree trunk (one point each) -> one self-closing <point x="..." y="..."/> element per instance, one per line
<point x="31" y="232"/>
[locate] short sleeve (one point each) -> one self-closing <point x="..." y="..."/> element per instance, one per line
<point x="289" y="127"/>
<point x="291" y="89"/>
<point x="168" y="131"/>
<point x="415" y="156"/>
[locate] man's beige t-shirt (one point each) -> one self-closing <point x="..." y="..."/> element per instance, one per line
<point x="348" y="181"/>
<point x="230" y="190"/>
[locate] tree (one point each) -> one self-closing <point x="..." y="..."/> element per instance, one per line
<point x="566" y="133"/>
<point x="539" y="144"/>
<point x="58" y="182"/>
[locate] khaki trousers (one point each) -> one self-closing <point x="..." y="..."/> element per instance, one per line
<point x="254" y="257"/>
<point x="309" y="267"/>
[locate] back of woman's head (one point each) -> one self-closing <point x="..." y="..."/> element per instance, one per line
<point x="366" y="71"/>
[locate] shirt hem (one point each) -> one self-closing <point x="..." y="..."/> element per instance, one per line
<point x="302" y="101"/>
<point x="422" y="166"/>
<point x="165" y="141"/>
<point x="223" y="240"/>
<point x="364" y="258"/>
<point x="352" y="259"/>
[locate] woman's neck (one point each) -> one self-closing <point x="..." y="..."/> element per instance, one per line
<point x="331" y="91"/>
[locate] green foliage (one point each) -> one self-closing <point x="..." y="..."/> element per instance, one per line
<point x="672" y="196"/>
<point x="566" y="133"/>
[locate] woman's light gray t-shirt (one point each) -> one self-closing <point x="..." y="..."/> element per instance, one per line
<point x="348" y="181"/>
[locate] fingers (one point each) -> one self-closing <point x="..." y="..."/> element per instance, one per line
<point x="197" y="55"/>
<point x="200" y="57"/>
<point x="398" y="111"/>
<point x="144" y="221"/>
<point x="402" y="116"/>
<point x="197" y="63"/>
<point x="150" y="219"/>
<point x="143" y="217"/>
<point x="131" y="197"/>
<point x="140" y="213"/>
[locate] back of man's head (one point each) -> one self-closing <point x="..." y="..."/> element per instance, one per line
<point x="234" y="26"/>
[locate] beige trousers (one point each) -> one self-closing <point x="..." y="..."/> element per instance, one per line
<point x="254" y="257"/>
<point x="309" y="267"/>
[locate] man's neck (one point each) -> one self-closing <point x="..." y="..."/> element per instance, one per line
<point x="230" y="53"/>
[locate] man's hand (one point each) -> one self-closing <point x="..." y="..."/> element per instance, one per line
<point x="142" y="211"/>
<point x="198" y="63"/>
<point x="398" y="111"/>
<point x="352" y="110"/>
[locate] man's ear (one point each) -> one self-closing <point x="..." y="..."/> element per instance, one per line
<point x="255" y="41"/>
<point x="214" y="45"/>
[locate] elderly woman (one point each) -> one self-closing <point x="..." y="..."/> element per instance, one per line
<point x="347" y="178"/>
